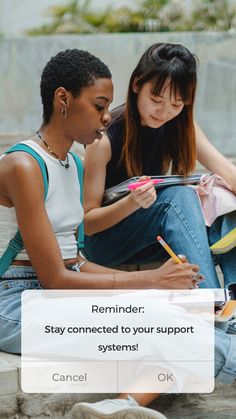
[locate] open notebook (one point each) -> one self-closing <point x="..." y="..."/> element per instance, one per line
<point x="226" y="307"/>
<point x="227" y="311"/>
<point x="117" y="192"/>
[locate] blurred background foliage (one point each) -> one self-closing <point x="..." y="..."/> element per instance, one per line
<point x="81" y="16"/>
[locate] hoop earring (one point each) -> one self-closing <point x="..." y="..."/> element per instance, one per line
<point x="64" y="113"/>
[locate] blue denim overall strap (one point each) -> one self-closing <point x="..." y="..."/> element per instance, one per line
<point x="16" y="244"/>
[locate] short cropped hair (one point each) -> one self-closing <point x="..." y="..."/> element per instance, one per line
<point x="72" y="69"/>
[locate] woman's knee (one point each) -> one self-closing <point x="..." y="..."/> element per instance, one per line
<point x="184" y="202"/>
<point x="179" y="194"/>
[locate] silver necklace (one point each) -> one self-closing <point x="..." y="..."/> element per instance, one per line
<point x="66" y="165"/>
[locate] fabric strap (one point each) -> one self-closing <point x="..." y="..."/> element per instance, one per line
<point x="16" y="244"/>
<point x="80" y="170"/>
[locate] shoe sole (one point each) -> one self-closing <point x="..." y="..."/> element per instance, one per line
<point x="83" y="411"/>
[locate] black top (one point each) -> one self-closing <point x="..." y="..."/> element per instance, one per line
<point x="152" y="140"/>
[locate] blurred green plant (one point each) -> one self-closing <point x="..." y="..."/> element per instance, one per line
<point x="123" y="19"/>
<point x="163" y="16"/>
<point x="68" y="18"/>
<point x="214" y="15"/>
<point x="78" y="16"/>
<point x="151" y="8"/>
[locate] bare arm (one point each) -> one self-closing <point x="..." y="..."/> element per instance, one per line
<point x="213" y="160"/>
<point x="170" y="276"/>
<point x="98" y="218"/>
<point x="21" y="185"/>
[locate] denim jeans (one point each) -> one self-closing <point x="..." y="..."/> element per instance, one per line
<point x="225" y="356"/>
<point x="13" y="282"/>
<point x="177" y="216"/>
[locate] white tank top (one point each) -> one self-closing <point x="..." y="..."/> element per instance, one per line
<point x="62" y="204"/>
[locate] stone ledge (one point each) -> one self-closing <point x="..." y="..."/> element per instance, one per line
<point x="18" y="405"/>
<point x="221" y="404"/>
<point x="9" y="374"/>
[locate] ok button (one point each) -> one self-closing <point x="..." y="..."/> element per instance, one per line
<point x="166" y="377"/>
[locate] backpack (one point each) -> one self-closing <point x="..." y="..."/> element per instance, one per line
<point x="16" y="244"/>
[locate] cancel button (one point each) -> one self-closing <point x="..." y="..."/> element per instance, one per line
<point x="69" y="377"/>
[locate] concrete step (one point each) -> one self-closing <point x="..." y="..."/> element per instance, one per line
<point x="14" y="404"/>
<point x="18" y="405"/>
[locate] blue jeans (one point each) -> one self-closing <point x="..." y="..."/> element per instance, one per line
<point x="225" y="356"/>
<point x="177" y="216"/>
<point x="13" y="282"/>
<point x="18" y="279"/>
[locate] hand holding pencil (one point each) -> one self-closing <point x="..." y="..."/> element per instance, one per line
<point x="169" y="250"/>
<point x="180" y="259"/>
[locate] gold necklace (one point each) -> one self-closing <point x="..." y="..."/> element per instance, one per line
<point x="66" y="165"/>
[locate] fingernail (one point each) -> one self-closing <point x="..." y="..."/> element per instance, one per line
<point x="182" y="258"/>
<point x="200" y="277"/>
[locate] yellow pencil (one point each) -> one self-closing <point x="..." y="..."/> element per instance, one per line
<point x="168" y="249"/>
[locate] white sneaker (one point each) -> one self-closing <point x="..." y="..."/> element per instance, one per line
<point x="114" y="409"/>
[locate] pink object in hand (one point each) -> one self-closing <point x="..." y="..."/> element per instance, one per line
<point x="135" y="185"/>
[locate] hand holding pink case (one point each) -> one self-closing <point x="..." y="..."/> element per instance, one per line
<point x="135" y="185"/>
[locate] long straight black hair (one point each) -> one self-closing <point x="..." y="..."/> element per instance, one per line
<point x="163" y="63"/>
